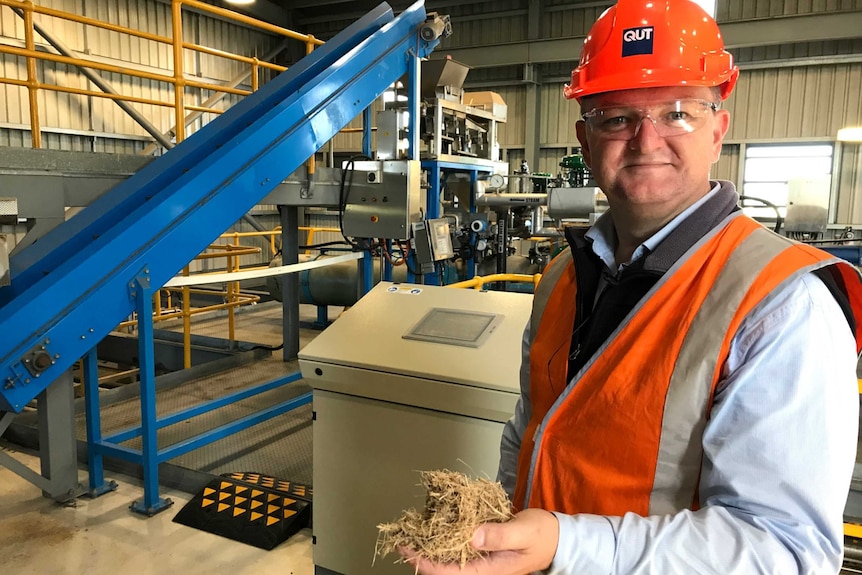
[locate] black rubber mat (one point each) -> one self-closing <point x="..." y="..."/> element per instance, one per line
<point x="251" y="508"/>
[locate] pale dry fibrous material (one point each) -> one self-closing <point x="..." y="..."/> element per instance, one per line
<point x="455" y="506"/>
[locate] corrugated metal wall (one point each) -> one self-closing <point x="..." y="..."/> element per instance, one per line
<point x="734" y="10"/>
<point x="486" y="23"/>
<point x="800" y="102"/>
<point x="73" y="116"/>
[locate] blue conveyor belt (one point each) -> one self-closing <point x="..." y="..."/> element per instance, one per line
<point x="71" y="287"/>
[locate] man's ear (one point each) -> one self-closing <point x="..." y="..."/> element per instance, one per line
<point x="719" y="129"/>
<point x="581" y="129"/>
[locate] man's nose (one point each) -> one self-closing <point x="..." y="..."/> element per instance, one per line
<point x="646" y="134"/>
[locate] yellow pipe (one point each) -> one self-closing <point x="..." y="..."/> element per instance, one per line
<point x="859" y="383"/>
<point x="85" y="20"/>
<point x="853" y="530"/>
<point x="187" y="323"/>
<point x="24" y="52"/>
<point x="479" y="281"/>
<point x="32" y="77"/>
<point x="251" y="21"/>
<point x="231" y="325"/>
<point x="355" y="130"/>
<point x="179" y="80"/>
<point x="216" y="87"/>
<point x="241" y="252"/>
<point x="231" y="56"/>
<point x="85" y="92"/>
<point x="243" y="299"/>
<point x="310" y="165"/>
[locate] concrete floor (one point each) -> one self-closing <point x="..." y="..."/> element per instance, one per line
<point x="102" y="536"/>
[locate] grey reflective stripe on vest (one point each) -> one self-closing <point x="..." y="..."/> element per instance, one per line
<point x="685" y="413"/>
<point x="546" y="286"/>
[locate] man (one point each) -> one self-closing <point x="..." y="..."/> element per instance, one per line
<point x="689" y="400"/>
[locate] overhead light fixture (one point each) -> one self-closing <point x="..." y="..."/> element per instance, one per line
<point x="850" y="135"/>
<point x="239" y="2"/>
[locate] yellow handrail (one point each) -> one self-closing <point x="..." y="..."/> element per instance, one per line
<point x="478" y="282"/>
<point x="176" y="77"/>
<point x="178" y="80"/>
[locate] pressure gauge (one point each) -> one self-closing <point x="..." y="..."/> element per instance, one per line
<point x="496" y="181"/>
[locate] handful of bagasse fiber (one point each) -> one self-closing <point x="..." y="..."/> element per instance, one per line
<point x="455" y="506"/>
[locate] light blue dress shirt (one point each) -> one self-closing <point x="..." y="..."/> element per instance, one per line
<point x="779" y="450"/>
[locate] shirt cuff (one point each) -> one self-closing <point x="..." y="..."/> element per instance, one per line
<point x="586" y="546"/>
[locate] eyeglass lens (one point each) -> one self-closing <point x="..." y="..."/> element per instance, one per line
<point x="671" y="118"/>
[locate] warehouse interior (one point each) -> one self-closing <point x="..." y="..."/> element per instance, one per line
<point x="323" y="288"/>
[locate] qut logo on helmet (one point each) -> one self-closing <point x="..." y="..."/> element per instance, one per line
<point x="637" y="41"/>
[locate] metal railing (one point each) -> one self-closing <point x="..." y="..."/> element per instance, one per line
<point x="479" y="282"/>
<point x="232" y="296"/>
<point x="178" y="79"/>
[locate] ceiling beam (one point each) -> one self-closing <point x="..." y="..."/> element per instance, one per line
<point x="766" y="32"/>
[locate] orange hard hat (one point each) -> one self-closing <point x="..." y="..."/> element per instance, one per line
<point x="652" y="43"/>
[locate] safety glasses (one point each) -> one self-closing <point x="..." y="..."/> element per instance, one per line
<point x="672" y="118"/>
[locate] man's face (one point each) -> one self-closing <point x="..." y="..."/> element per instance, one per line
<point x="650" y="174"/>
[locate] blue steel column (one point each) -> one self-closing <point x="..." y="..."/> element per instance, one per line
<point x="413" y="105"/>
<point x="366" y="273"/>
<point x="290" y="282"/>
<point x="95" y="466"/>
<point x="366" y="131"/>
<point x="387" y="267"/>
<point x="149" y="437"/>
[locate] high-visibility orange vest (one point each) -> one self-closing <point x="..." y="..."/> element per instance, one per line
<point x="626" y="435"/>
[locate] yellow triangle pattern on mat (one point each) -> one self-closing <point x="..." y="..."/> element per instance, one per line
<point x="277" y="508"/>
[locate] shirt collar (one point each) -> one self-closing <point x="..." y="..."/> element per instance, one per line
<point x="603" y="236"/>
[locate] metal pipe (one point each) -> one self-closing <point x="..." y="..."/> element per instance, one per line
<point x="230" y="56"/>
<point x="67" y="57"/>
<point x="502" y="241"/>
<point x="511" y="199"/>
<point x="87" y="21"/>
<point x="252" y="22"/>
<point x="32" y="78"/>
<point x="217" y="97"/>
<point x="330" y="285"/>
<point x="179" y="79"/>
<point x="85" y="92"/>
<point x="478" y="282"/>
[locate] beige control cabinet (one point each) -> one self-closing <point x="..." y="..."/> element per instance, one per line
<point x="411" y="378"/>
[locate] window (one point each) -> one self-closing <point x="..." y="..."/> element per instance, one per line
<point x="769" y="168"/>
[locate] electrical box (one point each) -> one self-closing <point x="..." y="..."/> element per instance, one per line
<point x="392" y="134"/>
<point x="807" y="205"/>
<point x="433" y="242"/>
<point x="382" y="199"/>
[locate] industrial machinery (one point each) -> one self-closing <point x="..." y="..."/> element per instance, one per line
<point x="455" y="125"/>
<point x="431" y="389"/>
<point x="71" y="288"/>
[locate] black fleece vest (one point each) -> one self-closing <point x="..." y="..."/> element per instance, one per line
<point x="594" y="323"/>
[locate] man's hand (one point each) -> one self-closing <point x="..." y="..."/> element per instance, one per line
<point x="525" y="544"/>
